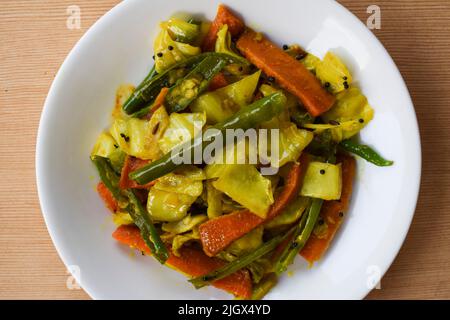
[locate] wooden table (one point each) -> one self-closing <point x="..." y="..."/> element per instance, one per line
<point x="35" y="40"/>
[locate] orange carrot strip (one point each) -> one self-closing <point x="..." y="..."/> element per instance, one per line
<point x="192" y="262"/>
<point x="332" y="213"/>
<point x="216" y="234"/>
<point x="287" y="71"/>
<point x="131" y="236"/>
<point x="131" y="164"/>
<point x="107" y="197"/>
<point x="159" y="99"/>
<point x="219" y="81"/>
<point x="224" y="16"/>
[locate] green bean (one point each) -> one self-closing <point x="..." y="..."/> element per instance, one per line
<point x="365" y="152"/>
<point x="151" y="74"/>
<point x="137" y="212"/>
<point x="248" y="117"/>
<point x="107" y="175"/>
<point x="262" y="288"/>
<point x="148" y="90"/>
<point x="192" y="85"/>
<point x="240" y="262"/>
<point x="303" y="232"/>
<point x="144" y="222"/>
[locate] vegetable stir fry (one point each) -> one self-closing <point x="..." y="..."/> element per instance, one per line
<point x="232" y="213"/>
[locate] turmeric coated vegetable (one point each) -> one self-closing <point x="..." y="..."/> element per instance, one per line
<point x="239" y="263"/>
<point x="216" y="234"/>
<point x="332" y="213"/>
<point x="107" y="197"/>
<point x="223" y="16"/>
<point x="286" y="70"/>
<point x="192" y="262"/>
<point x="248" y="117"/>
<point x="365" y="152"/>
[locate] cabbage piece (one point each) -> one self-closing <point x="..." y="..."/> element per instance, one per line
<point x="123" y="92"/>
<point x="192" y="172"/>
<point x="179" y="184"/>
<point x="186" y="224"/>
<point x="138" y="137"/>
<point x="168" y="206"/>
<point x="333" y="71"/>
<point x="104" y="146"/>
<point x="214" y="200"/>
<point x="122" y="218"/>
<point x="223" y="44"/>
<point x="224" y="102"/>
<point x="291" y="143"/>
<point x="310" y="62"/>
<point x="351" y="112"/>
<point x="107" y="147"/>
<point x="168" y="52"/>
<point x="322" y="180"/>
<point x="233" y="153"/>
<point x="180" y="240"/>
<point x="245" y="185"/>
<point x="291" y="214"/>
<point x="248" y="243"/>
<point x="182" y="127"/>
<point x="182" y="31"/>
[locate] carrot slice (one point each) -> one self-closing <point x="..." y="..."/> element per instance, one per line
<point x="131" y="164"/>
<point x="192" y="262"/>
<point x="107" y="197"/>
<point x="224" y="16"/>
<point x="332" y="213"/>
<point x="287" y="71"/>
<point x="216" y="234"/>
<point x="131" y="236"/>
<point x="219" y="81"/>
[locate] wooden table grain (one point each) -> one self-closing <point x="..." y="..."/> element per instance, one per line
<point x="35" y="40"/>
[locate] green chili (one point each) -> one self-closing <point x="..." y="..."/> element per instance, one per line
<point x="303" y="232"/>
<point x="365" y="152"/>
<point x="248" y="117"/>
<point x="240" y="262"/>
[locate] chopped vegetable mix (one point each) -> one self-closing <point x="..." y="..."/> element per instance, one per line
<point x="233" y="155"/>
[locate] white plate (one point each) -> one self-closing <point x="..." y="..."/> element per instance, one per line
<point x="118" y="49"/>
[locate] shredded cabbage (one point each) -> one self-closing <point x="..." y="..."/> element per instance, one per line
<point x="351" y="113"/>
<point x="168" y="206"/>
<point x="179" y="184"/>
<point x="122" y="94"/>
<point x="138" y="137"/>
<point x="223" y="44"/>
<point x="245" y="185"/>
<point x="186" y="224"/>
<point x="182" y="127"/>
<point x="333" y="71"/>
<point x="249" y="242"/>
<point x="322" y="180"/>
<point x="292" y="213"/>
<point x="224" y="102"/>
<point x="214" y="200"/>
<point x="168" y="52"/>
<point x="182" y="31"/>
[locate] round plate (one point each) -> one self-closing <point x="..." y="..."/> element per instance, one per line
<point x="118" y="49"/>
